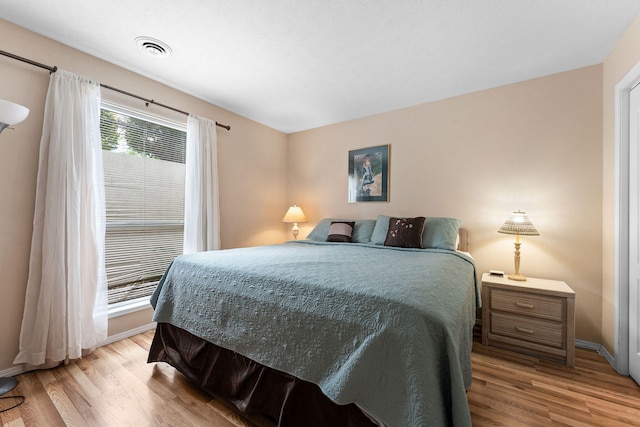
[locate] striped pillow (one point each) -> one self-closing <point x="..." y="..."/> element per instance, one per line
<point x="340" y="231"/>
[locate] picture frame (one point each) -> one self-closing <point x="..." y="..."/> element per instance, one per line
<point x="369" y="174"/>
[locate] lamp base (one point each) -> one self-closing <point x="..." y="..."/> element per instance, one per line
<point x="7" y="384"/>
<point x="518" y="277"/>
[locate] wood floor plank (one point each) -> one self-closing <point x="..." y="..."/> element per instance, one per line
<point x="576" y="396"/>
<point x="198" y="413"/>
<point x="115" y="386"/>
<point x="515" y="413"/>
<point x="504" y="400"/>
<point x="123" y="402"/>
<point x="622" y="413"/>
<point x="527" y="391"/>
<point x="60" y="399"/>
<point x="141" y="401"/>
<point x="30" y="385"/>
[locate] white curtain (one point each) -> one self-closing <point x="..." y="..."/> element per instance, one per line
<point x="66" y="300"/>
<point x="201" y="209"/>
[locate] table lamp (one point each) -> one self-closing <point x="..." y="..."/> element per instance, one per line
<point x="294" y="215"/>
<point x="519" y="224"/>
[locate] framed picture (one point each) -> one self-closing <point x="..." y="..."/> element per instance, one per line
<point x="369" y="174"/>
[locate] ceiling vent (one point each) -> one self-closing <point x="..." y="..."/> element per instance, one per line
<point x="153" y="47"/>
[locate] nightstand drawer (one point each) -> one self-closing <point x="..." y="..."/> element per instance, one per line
<point x="543" y="306"/>
<point x="528" y="329"/>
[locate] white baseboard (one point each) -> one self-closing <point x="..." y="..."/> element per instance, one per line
<point x="129" y="333"/>
<point x="19" y="369"/>
<point x="596" y="347"/>
<point x="603" y="351"/>
<point x="588" y="345"/>
<point x="12" y="372"/>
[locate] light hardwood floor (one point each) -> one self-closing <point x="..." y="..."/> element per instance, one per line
<point x="116" y="387"/>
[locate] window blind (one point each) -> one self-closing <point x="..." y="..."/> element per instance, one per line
<point x="144" y="168"/>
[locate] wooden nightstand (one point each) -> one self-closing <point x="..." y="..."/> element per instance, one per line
<point x="535" y="317"/>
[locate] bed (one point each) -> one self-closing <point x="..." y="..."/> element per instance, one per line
<point x="318" y="332"/>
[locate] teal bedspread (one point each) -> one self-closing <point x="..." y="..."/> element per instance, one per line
<point x="387" y="328"/>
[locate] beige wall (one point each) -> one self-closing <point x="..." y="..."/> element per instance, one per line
<point x="620" y="61"/>
<point x="252" y="167"/>
<point x="535" y="145"/>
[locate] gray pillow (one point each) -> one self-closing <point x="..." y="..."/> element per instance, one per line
<point x="320" y="231"/>
<point x="362" y="230"/>
<point x="380" y="230"/>
<point x="441" y="233"/>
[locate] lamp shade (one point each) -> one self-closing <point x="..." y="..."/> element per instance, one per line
<point x="294" y="214"/>
<point x="519" y="223"/>
<point x="12" y="113"/>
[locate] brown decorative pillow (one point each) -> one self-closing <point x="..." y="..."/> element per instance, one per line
<point x="340" y="231"/>
<point x="405" y="232"/>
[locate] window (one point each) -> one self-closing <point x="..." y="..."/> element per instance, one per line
<point x="144" y="173"/>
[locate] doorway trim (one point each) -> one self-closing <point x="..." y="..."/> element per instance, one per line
<point x="621" y="220"/>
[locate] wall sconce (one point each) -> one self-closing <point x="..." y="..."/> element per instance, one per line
<point x="11" y="114"/>
<point x="518" y="224"/>
<point x="294" y="215"/>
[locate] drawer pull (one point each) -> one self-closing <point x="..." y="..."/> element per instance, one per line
<point x="524" y="330"/>
<point x="524" y="305"/>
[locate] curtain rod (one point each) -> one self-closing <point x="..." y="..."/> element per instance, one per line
<point x="147" y="101"/>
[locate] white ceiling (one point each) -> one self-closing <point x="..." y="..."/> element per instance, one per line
<point x="299" y="64"/>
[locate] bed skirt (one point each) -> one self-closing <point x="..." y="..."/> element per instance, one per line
<point x="251" y="387"/>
